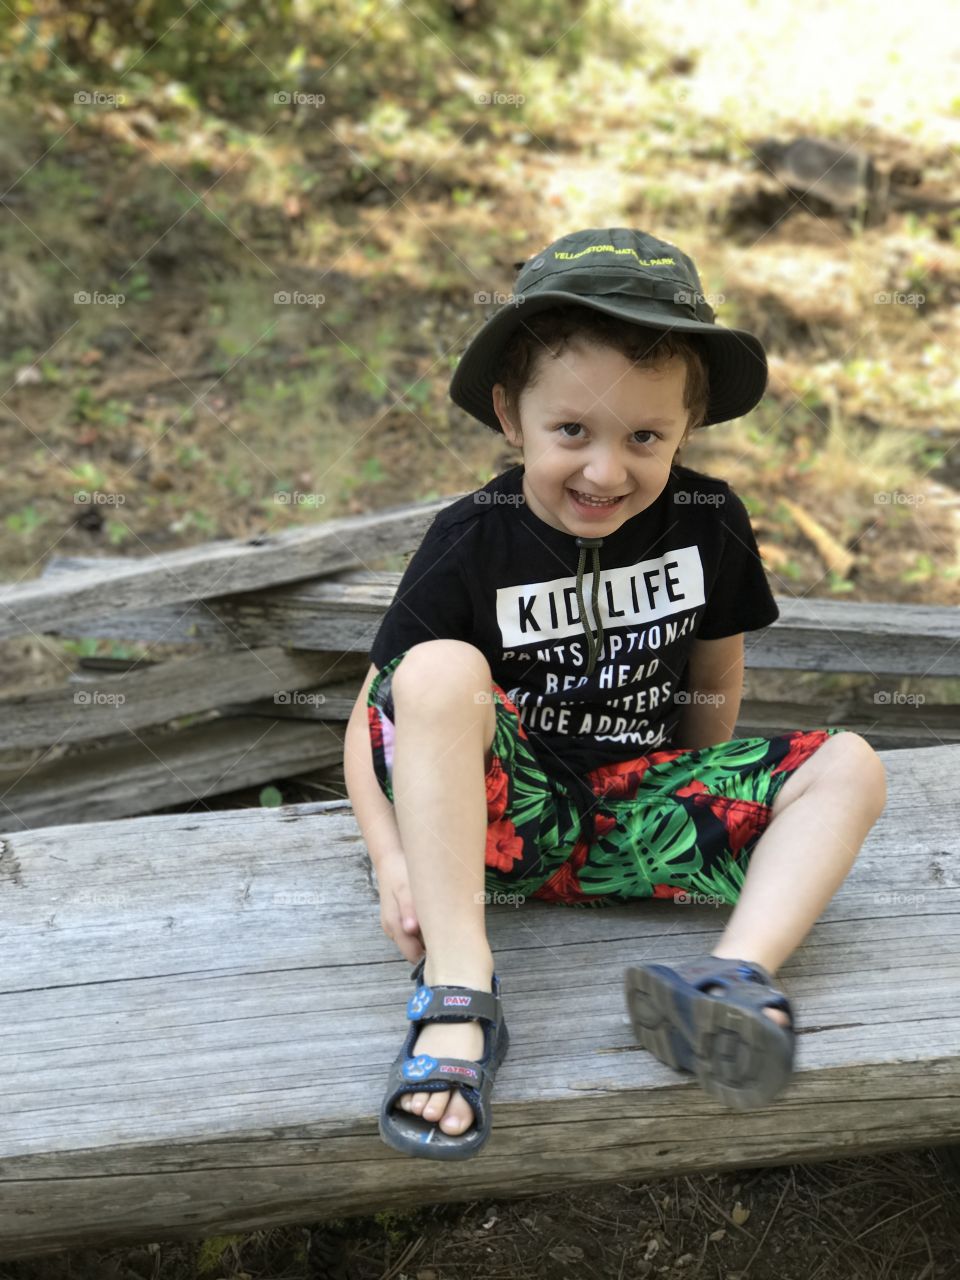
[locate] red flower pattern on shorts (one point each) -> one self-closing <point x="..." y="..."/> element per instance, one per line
<point x="743" y="819"/>
<point x="504" y="847"/>
<point x="621" y="779"/>
<point x="805" y="743"/>
<point x="376" y="727"/>
<point x="563" y="885"/>
<point x="667" y="890"/>
<point x="497" y="790"/>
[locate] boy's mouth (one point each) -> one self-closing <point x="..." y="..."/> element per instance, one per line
<point x="592" y="502"/>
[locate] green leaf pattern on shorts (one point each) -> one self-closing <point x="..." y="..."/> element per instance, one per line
<point x="657" y="843"/>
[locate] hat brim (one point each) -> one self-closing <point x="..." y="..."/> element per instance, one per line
<point x="737" y="361"/>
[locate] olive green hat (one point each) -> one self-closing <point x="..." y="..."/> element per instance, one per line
<point x="624" y="273"/>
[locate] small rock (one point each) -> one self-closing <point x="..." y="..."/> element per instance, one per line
<point x="567" y="1253"/>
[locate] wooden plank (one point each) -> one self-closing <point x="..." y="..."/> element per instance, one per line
<point x="103" y="704"/>
<point x="881" y="725"/>
<point x="154" y="769"/>
<point x="215" y="568"/>
<point x="344" y="612"/>
<point x="149" y="771"/>
<point x="198" y="1026"/>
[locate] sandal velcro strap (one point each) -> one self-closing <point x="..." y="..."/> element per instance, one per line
<point x="448" y="1004"/>
<point x="452" y="1071"/>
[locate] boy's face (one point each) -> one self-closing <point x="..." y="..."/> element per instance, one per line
<point x="597" y="425"/>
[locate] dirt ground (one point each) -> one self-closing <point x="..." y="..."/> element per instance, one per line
<point x="889" y="1217"/>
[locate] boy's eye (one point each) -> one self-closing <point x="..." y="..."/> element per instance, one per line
<point x="576" y="425"/>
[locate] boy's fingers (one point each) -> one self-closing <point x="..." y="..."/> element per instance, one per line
<point x="408" y="917"/>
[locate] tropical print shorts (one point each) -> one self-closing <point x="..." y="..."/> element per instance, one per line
<point x="675" y="824"/>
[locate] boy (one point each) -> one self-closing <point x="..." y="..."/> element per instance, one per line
<point x="601" y="697"/>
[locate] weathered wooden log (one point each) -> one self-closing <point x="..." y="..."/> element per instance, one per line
<point x="199" y="1013"/>
<point x="214" y="568"/>
<point x="105" y="704"/>
<point x="344" y="611"/>
<point x="155" y="769"/>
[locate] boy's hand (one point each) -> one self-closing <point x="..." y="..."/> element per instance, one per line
<point x="397" y="916"/>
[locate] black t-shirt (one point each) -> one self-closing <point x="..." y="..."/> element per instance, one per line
<point x="491" y="572"/>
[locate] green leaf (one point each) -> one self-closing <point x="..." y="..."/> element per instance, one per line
<point x="270" y="798"/>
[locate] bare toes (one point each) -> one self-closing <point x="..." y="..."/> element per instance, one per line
<point x="458" y="1117"/>
<point x="436" y="1106"/>
<point x="778" y="1015"/>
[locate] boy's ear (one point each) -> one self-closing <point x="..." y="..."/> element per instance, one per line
<point x="510" y="429"/>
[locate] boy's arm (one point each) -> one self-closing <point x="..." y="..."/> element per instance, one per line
<point x="373" y="811"/>
<point x="714" y="690"/>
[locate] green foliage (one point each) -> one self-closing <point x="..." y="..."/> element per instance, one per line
<point x="270" y="797"/>
<point x="85" y="648"/>
<point x="26" y="521"/>
<point x="235" y="56"/>
<point x="210" y="1253"/>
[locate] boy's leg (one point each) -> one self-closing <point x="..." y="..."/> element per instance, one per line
<point x="821" y="817"/>
<point x="443" y="735"/>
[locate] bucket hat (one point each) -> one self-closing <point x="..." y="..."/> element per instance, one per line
<point x="625" y="273"/>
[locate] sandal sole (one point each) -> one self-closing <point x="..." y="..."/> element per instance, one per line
<point x="739" y="1057"/>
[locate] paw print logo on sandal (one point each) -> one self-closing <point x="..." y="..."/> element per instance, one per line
<point x="418" y="1002"/>
<point x="418" y="1067"/>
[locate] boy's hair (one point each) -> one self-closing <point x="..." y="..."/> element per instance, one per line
<point x="553" y="330"/>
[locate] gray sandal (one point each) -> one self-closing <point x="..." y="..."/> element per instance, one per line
<point x="412" y="1134"/>
<point x="739" y="1055"/>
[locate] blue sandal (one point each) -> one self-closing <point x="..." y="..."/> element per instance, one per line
<point x="412" y="1134"/>
<point x="739" y="1055"/>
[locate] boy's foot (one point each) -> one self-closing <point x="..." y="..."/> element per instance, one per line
<point x="449" y="1108"/>
<point x="776" y="1014"/>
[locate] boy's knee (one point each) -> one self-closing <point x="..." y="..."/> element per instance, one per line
<point x="438" y="666"/>
<point x="866" y="768"/>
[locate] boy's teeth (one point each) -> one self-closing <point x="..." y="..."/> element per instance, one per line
<point x="606" y="502"/>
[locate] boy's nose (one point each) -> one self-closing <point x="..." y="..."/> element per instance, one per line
<point x="606" y="475"/>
